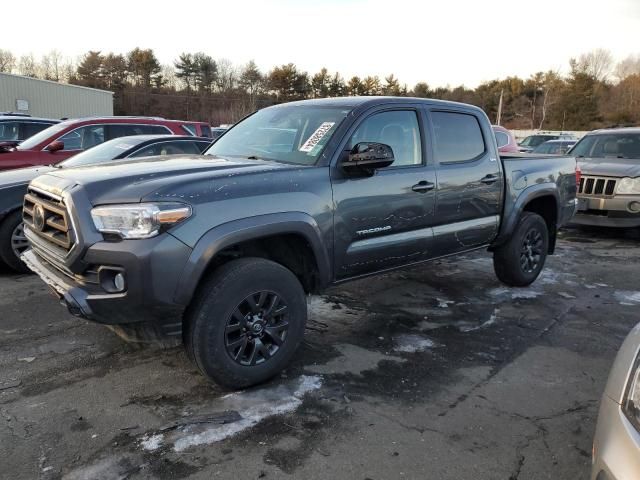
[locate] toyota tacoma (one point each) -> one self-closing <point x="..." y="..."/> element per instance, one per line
<point x="221" y="249"/>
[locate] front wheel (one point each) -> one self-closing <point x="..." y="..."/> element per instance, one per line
<point x="13" y="242"/>
<point x="519" y="261"/>
<point x="246" y="322"/>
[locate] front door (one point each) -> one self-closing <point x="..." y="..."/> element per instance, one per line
<point x="384" y="220"/>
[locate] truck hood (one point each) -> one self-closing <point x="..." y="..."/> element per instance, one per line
<point x="158" y="178"/>
<point x="610" y="167"/>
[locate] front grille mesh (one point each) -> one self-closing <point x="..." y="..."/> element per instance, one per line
<point x="47" y="217"/>
<point x="597" y="186"/>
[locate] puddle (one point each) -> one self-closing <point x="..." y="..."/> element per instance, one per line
<point x="353" y="359"/>
<point x="252" y="407"/>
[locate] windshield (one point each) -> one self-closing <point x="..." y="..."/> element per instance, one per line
<point x="40" y="137"/>
<point x="294" y="134"/>
<point x="100" y="153"/>
<point x="535" y="140"/>
<point x="614" y="145"/>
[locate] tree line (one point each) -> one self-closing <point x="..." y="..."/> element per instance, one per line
<point x="596" y="92"/>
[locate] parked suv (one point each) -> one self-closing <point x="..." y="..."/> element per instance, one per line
<point x="222" y="249"/>
<point x="67" y="138"/>
<point x="609" y="192"/>
<point x="16" y="128"/>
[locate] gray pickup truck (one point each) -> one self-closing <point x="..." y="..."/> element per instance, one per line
<point x="221" y="249"/>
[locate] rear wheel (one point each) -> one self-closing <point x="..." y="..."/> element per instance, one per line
<point x="246" y="322"/>
<point x="519" y="261"/>
<point x="13" y="242"/>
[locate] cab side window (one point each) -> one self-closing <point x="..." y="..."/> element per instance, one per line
<point x="457" y="137"/>
<point x="398" y="129"/>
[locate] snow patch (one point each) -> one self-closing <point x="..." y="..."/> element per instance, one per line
<point x="413" y="343"/>
<point x="492" y="320"/>
<point x="253" y="406"/>
<point x="515" y="293"/>
<point x="152" y="442"/>
<point x="444" y="303"/>
<point x="626" y="297"/>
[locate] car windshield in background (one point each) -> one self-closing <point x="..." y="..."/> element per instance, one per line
<point x="105" y="151"/>
<point x="535" y="140"/>
<point x="290" y="134"/>
<point x="40" y="137"/>
<point x="9" y="131"/>
<point x="614" y="145"/>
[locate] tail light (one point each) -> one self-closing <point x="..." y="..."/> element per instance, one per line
<point x="578" y="175"/>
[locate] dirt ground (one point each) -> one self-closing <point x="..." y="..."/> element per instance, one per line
<point x="437" y="372"/>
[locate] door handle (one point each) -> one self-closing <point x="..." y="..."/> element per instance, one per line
<point x="423" y="186"/>
<point x="489" y="179"/>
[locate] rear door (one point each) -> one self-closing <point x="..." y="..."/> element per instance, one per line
<point x="470" y="182"/>
<point x="384" y="220"/>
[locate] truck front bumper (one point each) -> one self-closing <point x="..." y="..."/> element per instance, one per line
<point x="619" y="211"/>
<point x="150" y="268"/>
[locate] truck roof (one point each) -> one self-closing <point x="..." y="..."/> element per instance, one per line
<point x="370" y="101"/>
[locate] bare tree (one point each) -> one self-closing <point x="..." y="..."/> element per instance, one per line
<point x="51" y="65"/>
<point x="598" y="63"/>
<point x="550" y="89"/>
<point x="27" y="66"/>
<point x="7" y="61"/>
<point x="628" y="66"/>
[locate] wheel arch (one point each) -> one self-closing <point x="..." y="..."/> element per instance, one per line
<point x="292" y="239"/>
<point x="542" y="199"/>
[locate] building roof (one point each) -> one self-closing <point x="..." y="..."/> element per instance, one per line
<point x="54" y="82"/>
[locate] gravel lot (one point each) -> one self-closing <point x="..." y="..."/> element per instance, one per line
<point x="434" y="372"/>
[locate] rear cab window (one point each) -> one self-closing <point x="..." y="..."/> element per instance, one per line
<point x="457" y="137"/>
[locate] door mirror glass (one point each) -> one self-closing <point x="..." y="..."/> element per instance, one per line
<point x="55" y="146"/>
<point x="367" y="157"/>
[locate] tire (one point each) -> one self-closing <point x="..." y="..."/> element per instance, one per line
<point x="13" y="242"/>
<point x="519" y="261"/>
<point x="245" y="322"/>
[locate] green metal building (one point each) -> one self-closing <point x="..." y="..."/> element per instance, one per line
<point x="47" y="99"/>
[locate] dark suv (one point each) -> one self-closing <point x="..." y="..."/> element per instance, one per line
<point x="16" y="128"/>
<point x="70" y="137"/>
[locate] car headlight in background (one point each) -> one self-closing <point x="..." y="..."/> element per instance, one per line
<point x="629" y="185"/>
<point x="631" y="401"/>
<point x="138" y="220"/>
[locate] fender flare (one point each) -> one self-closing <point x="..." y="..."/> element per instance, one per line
<point x="512" y="215"/>
<point x="252" y="228"/>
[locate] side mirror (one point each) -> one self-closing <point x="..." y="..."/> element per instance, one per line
<point x="55" y="146"/>
<point x="367" y="157"/>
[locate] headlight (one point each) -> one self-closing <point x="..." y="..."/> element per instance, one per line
<point x="138" y="220"/>
<point x="631" y="401"/>
<point x="629" y="185"/>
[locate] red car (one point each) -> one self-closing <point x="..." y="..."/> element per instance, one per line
<point x="67" y="138"/>
<point x="506" y="142"/>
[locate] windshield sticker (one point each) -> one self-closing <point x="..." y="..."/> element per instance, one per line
<point x="318" y="135"/>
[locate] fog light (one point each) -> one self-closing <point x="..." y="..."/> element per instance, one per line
<point x="634" y="207"/>
<point x="119" y="283"/>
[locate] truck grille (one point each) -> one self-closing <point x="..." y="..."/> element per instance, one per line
<point x="47" y="217"/>
<point x="597" y="186"/>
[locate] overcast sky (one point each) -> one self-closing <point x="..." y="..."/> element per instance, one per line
<point x="442" y="42"/>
